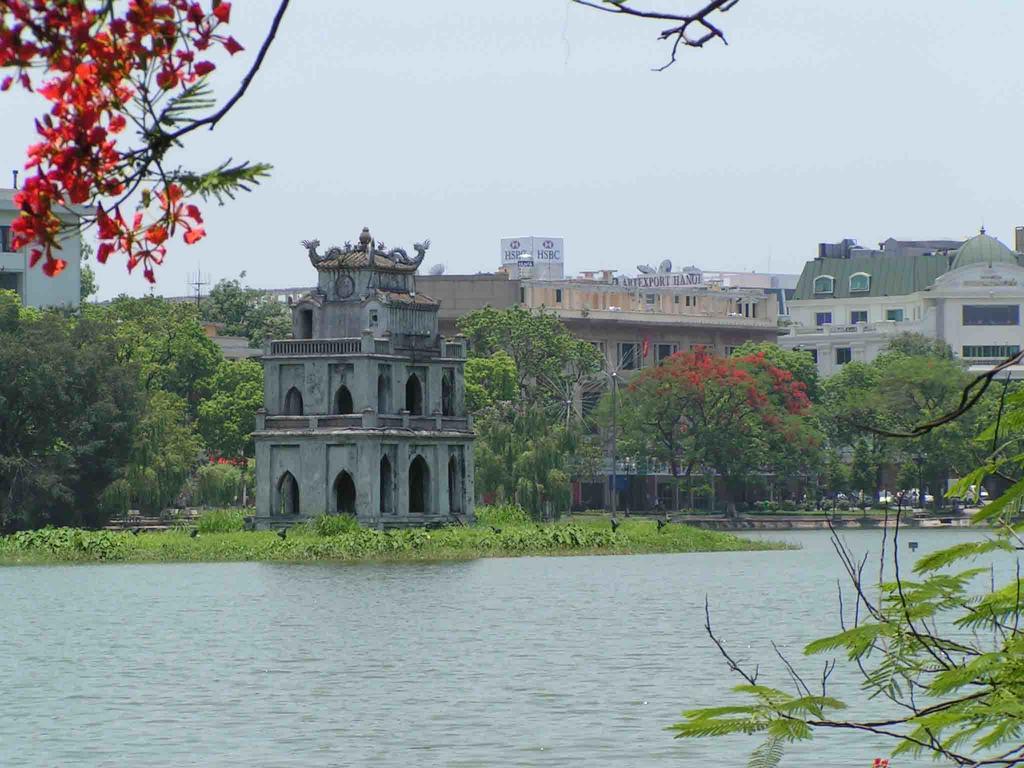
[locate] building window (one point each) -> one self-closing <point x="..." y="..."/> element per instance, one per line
<point x="824" y="284"/>
<point x="9" y="281"/>
<point x="814" y="355"/>
<point x="894" y="314"/>
<point x="558" y="295"/>
<point x="729" y="350"/>
<point x="661" y="351"/>
<point x="992" y="314"/>
<point x="843" y="355"/>
<point x="991" y="351"/>
<point x="859" y="282"/>
<point x="858" y="316"/>
<point x="629" y="356"/>
<point x="823" y="318"/>
<point x="522" y="295"/>
<point x="651" y="299"/>
<point x="5" y="238"/>
<point x="374" y="318"/>
<point x="675" y="299"/>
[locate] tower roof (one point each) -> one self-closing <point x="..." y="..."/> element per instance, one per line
<point x="367" y="253"/>
<point x="983" y="249"/>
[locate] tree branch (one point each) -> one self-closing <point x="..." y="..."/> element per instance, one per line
<point x="680" y="33"/>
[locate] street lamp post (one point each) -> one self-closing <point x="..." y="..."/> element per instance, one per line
<point x="613" y="377"/>
<point x="919" y="460"/>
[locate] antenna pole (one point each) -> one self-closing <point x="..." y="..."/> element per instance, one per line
<point x="196" y="282"/>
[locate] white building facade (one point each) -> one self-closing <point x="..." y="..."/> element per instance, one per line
<point x="849" y="306"/>
<point x="34" y="287"/>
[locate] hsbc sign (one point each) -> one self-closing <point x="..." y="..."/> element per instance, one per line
<point x="548" y="250"/>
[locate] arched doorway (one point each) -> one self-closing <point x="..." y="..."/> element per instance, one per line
<point x="419" y="487"/>
<point x="343" y="400"/>
<point x="344" y="494"/>
<point x="414" y="395"/>
<point x="454" y="487"/>
<point x="287" y="502"/>
<point x="387" y="482"/>
<point x="293" y="403"/>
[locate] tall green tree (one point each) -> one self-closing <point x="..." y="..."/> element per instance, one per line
<point x="165" y="451"/>
<point x="522" y="379"/>
<point x="165" y="340"/>
<point x="69" y="406"/>
<point x="228" y="415"/>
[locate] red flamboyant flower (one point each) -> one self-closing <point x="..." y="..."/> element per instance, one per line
<point x="95" y="58"/>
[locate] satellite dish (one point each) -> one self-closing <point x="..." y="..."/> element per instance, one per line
<point x="645" y="268"/>
<point x="666" y="265"/>
<point x="437" y="269"/>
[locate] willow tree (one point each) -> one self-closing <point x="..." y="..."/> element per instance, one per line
<point x="523" y="374"/>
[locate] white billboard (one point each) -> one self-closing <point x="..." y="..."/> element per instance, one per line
<point x="539" y="257"/>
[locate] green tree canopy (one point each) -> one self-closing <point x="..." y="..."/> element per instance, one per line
<point x="167" y="343"/>
<point x="797" y="362"/>
<point x="69" y="405"/>
<point x="247" y="312"/>
<point x="227" y="416"/>
<point x="731" y="416"/>
<point x="490" y="380"/>
<point x="521" y="382"/>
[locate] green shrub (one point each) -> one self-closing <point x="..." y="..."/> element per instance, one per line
<point x="75" y="543"/>
<point x="218" y="485"/>
<point x="502" y="514"/>
<point x="334" y="525"/>
<point x="221" y="521"/>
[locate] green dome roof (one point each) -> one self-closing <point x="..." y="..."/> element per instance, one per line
<point x="983" y="249"/>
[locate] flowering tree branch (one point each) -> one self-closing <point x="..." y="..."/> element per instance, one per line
<point x="105" y="67"/>
<point x="691" y="30"/>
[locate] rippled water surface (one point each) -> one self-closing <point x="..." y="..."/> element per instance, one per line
<point x="526" y="662"/>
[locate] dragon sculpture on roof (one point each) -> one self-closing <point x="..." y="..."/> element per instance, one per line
<point x="372" y="249"/>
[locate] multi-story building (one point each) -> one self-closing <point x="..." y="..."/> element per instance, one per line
<point x="30" y="283"/>
<point x="850" y="302"/>
<point x="635" y="322"/>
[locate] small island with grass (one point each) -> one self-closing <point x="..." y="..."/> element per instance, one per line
<point x="501" y="531"/>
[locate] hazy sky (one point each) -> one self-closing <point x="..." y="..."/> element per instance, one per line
<point x="466" y="121"/>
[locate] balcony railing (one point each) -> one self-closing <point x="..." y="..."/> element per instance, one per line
<point x="300" y="347"/>
<point x="885" y="327"/>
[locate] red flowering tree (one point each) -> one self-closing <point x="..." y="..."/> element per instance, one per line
<point x="125" y="82"/>
<point x="730" y="416"/>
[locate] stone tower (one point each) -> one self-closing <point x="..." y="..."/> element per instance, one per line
<point x="364" y="407"/>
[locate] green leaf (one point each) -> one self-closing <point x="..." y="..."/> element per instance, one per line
<point x="1013" y="494"/>
<point x="944" y="557"/>
<point x="767" y="755"/>
<point x="856" y="640"/>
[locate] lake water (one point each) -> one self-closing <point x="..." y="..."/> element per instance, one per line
<point x="577" y="661"/>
